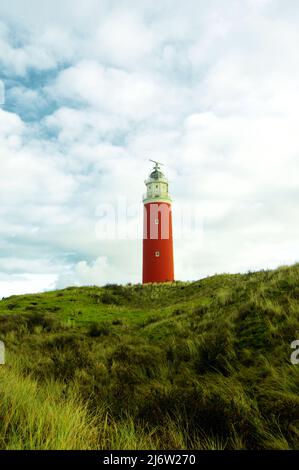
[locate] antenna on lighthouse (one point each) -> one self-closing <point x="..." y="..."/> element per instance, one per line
<point x="156" y="163"/>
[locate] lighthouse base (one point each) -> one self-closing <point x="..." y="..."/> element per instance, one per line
<point x="157" y="261"/>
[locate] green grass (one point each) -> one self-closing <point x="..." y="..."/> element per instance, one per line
<point x="202" y="365"/>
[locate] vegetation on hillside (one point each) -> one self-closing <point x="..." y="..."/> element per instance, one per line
<point x="201" y="365"/>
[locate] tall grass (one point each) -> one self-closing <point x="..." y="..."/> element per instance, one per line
<point x="35" y="417"/>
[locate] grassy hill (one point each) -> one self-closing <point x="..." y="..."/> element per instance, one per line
<point x="170" y="366"/>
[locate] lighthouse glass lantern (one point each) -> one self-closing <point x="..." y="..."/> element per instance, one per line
<point x="157" y="233"/>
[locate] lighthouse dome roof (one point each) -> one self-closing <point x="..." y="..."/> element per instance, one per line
<point x="157" y="175"/>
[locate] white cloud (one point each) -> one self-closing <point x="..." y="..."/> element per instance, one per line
<point x="28" y="176"/>
<point x="84" y="125"/>
<point x="123" y="38"/>
<point x="39" y="52"/>
<point x="10" y="124"/>
<point x="111" y="90"/>
<point x="27" y="283"/>
<point x="94" y="273"/>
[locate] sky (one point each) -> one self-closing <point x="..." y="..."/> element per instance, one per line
<point x="89" y="91"/>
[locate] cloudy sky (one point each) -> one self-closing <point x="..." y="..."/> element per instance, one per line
<point x="90" y="90"/>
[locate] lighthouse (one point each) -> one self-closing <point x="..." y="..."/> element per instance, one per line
<point x="157" y="229"/>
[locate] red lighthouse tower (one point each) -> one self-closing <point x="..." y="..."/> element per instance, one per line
<point x="157" y="233"/>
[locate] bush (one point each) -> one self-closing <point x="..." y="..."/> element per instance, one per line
<point x="46" y="322"/>
<point x="109" y="299"/>
<point x="95" y="330"/>
<point x="216" y="352"/>
<point x="178" y="311"/>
